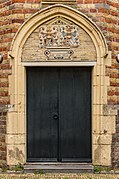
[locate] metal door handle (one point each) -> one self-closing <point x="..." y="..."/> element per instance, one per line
<point x="55" y="117"/>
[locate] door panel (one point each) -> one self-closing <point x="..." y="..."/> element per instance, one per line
<point x="41" y="106"/>
<point x="59" y="114"/>
<point x="75" y="114"/>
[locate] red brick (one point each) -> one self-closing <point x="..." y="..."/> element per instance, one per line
<point x="29" y="1"/>
<point x="114" y="84"/>
<point x="111" y="93"/>
<point x="88" y="1"/>
<point x="93" y="10"/>
<point x="80" y="1"/>
<point x="18" y="21"/>
<point x="98" y="1"/>
<point x="37" y="1"/>
<point x="4" y="93"/>
<point x="18" y="1"/>
<point x="17" y="11"/>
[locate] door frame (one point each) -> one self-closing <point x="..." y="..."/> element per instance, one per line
<point x="16" y="121"/>
<point x="54" y="65"/>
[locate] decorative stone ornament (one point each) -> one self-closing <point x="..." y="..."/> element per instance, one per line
<point x="58" y="53"/>
<point x="59" y="39"/>
<point x="59" y="34"/>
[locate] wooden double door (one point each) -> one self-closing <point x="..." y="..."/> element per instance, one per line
<point x="59" y="114"/>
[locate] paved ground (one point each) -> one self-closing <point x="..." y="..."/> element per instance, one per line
<point x="59" y="176"/>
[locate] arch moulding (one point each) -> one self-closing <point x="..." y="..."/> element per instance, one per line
<point x="16" y="125"/>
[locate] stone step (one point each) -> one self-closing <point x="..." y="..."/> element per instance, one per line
<point x="59" y="167"/>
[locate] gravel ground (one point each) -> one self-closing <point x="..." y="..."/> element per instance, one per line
<point x="59" y="176"/>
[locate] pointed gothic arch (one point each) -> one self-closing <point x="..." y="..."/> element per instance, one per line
<point x="18" y="80"/>
<point x="68" y="13"/>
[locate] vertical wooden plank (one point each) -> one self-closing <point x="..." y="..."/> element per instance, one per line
<point x="41" y="107"/>
<point x="75" y="114"/>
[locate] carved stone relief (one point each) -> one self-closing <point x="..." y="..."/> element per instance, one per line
<point x="59" y="39"/>
<point x="59" y="34"/>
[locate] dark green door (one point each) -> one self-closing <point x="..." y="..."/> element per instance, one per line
<point x="59" y="114"/>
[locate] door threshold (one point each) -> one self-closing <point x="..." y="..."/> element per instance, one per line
<point x="58" y="167"/>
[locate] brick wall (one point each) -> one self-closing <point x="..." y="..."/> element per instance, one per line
<point x="2" y="137"/>
<point x="106" y="15"/>
<point x="13" y="13"/>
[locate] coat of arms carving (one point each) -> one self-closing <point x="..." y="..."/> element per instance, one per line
<point x="58" y="34"/>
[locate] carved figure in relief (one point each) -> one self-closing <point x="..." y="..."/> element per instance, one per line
<point x="58" y="34"/>
<point x="69" y="36"/>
